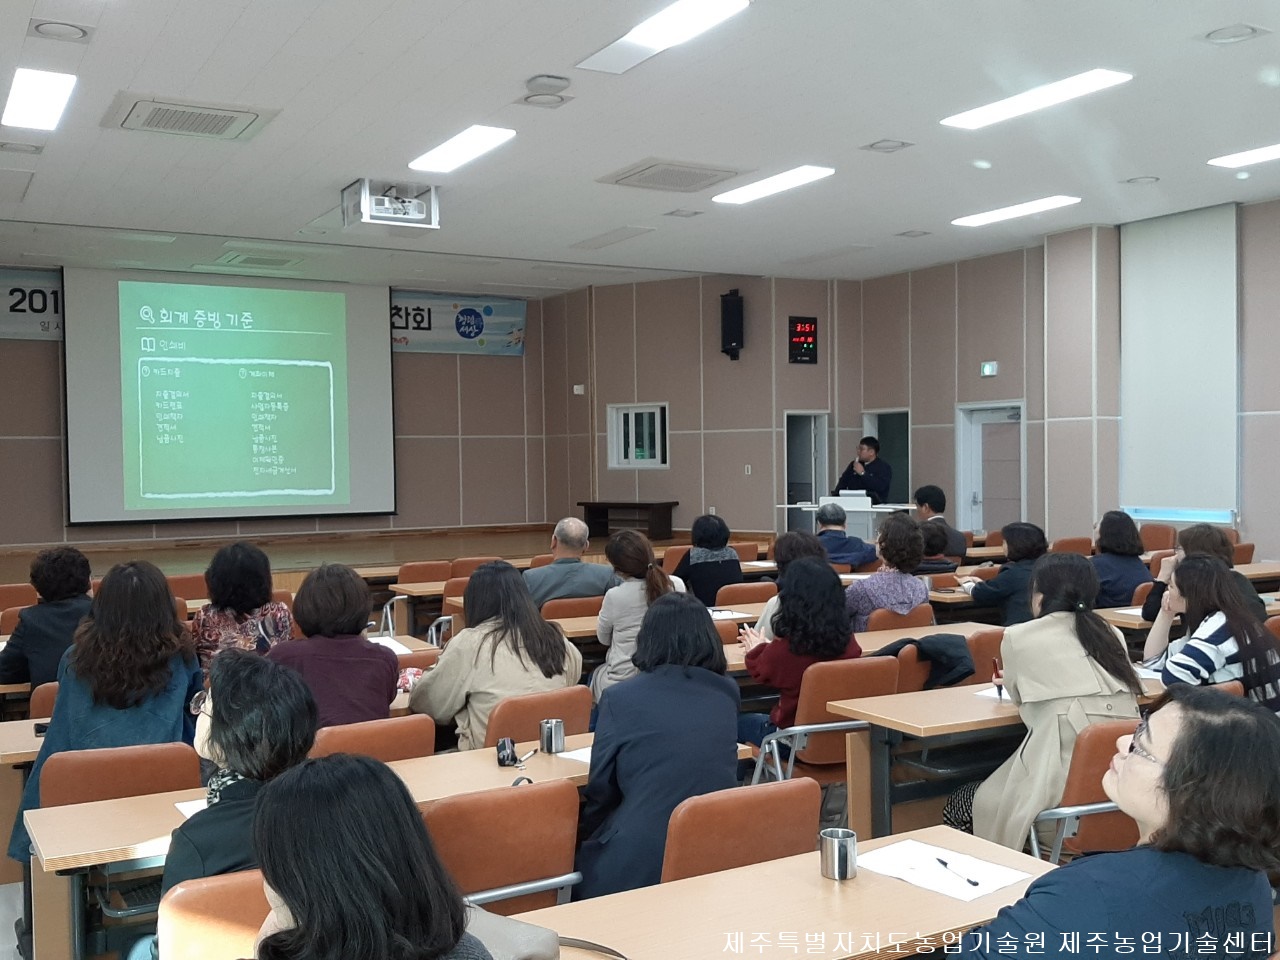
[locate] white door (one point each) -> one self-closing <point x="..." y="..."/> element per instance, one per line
<point x="806" y="464"/>
<point x="991" y="474"/>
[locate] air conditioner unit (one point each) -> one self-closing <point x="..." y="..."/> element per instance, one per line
<point x="390" y="204"/>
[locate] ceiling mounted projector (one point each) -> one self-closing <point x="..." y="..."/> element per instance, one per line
<point x="390" y="204"/>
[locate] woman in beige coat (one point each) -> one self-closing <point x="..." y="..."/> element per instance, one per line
<point x="1064" y="670"/>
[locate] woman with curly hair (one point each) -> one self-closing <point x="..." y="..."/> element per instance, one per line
<point x="240" y="613"/>
<point x="126" y="679"/>
<point x="811" y="625"/>
<point x="901" y="547"/>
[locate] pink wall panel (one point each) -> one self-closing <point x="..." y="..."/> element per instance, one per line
<point x="1035" y="472"/>
<point x="1108" y="465"/>
<point x="1259" y="306"/>
<point x="535" y="480"/>
<point x="737" y="394"/>
<point x="493" y="396"/>
<point x="1260" y="521"/>
<point x="1107" y="342"/>
<point x="669" y="325"/>
<point x="613" y="343"/>
<point x="1070" y="467"/>
<point x="885" y="330"/>
<point x="578" y="368"/>
<point x="555" y="376"/>
<point x="32" y="496"/>
<point x="991" y="301"/>
<point x="933" y="459"/>
<point x="933" y="345"/>
<point x="33" y="395"/>
<point x="557" y="493"/>
<point x="1035" y="333"/>
<point x="802" y="386"/>
<point x="428" y="485"/>
<point x="682" y="482"/>
<point x="847" y="374"/>
<point x="1069" y="323"/>
<point x="745" y="502"/>
<point x="533" y="389"/>
<point x="580" y="479"/>
<point x="493" y="485"/>
<point x="425" y="392"/>
<point x="613" y="484"/>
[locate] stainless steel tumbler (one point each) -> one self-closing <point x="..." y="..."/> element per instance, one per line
<point x="551" y="736"/>
<point x="839" y="851"/>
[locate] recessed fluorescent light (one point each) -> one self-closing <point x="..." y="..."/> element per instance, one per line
<point x="1037" y="98"/>
<point x="1248" y="157"/>
<point x="672" y="25"/>
<point x="775" y="184"/>
<point x="475" y="141"/>
<point x="37" y="99"/>
<point x="1017" y="210"/>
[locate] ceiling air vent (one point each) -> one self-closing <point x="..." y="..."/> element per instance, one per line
<point x="209" y="121"/>
<point x="233" y="259"/>
<point x="669" y="175"/>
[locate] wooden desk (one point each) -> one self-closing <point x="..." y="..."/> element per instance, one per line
<point x="584" y="628"/>
<point x="1120" y="617"/>
<point x="18" y="746"/>
<point x="652" y="517"/>
<point x="980" y="554"/>
<point x="870" y="641"/>
<point x="1259" y="571"/>
<point x="692" y="919"/>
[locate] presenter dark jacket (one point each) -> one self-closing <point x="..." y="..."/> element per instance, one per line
<point x="569" y="577"/>
<point x="842" y="548"/>
<point x="1009" y="591"/>
<point x="1151" y="606"/>
<point x="351" y="678"/>
<point x="41" y="637"/>
<point x="217" y="839"/>
<point x="875" y="480"/>
<point x="1118" y="577"/>
<point x="1170" y="903"/>
<point x="661" y="738"/>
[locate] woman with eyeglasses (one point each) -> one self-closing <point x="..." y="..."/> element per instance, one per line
<point x="126" y="679"/>
<point x="1201" y="777"/>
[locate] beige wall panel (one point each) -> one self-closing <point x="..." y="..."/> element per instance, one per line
<point x="991" y="301"/>
<point x="1035" y="473"/>
<point x="1068" y="325"/>
<point x="196" y="529"/>
<point x="847" y="376"/>
<point x="933" y="345"/>
<point x="578" y="370"/>
<point x="738" y="395"/>
<point x="557" y="493"/>
<point x="352" y="524"/>
<point x="682" y="482"/>
<point x="745" y="502"/>
<point x="33" y="391"/>
<point x="535" y="480"/>
<point x="885" y="354"/>
<point x="613" y="484"/>
<point x="493" y="485"/>
<point x="32" y="496"/>
<point x="1108" y="465"/>
<point x="533" y="386"/>
<point x="555" y="375"/>
<point x="1260" y="520"/>
<point x="274" y="525"/>
<point x="1035" y="332"/>
<point x="933" y="459"/>
<point x="1108" y="337"/>
<point x="1259" y="306"/>
<point x="493" y="396"/>
<point x="1070" y="465"/>
<point x="425" y="391"/>
<point x="613" y="317"/>
<point x="427" y="487"/>
<point x="580" y="482"/>
<point x="802" y="386"/>
<point x="668" y="347"/>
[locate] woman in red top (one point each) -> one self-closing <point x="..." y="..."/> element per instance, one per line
<point x="811" y="625"/>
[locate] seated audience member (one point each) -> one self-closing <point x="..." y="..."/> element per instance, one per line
<point x="1222" y="640"/>
<point x="840" y="547"/>
<point x="811" y="625"/>
<point x="44" y="631"/>
<point x="867" y="472"/>
<point x="126" y="679"/>
<point x="893" y="588"/>
<point x="787" y="549"/>
<point x="1202" y="779"/>
<point x="1118" y="560"/>
<point x="1024" y="544"/>
<point x="935" y="544"/>
<point x="1207" y="540"/>
<point x="566" y="575"/>
<point x="624" y="607"/>
<point x="350" y="871"/>
<point x="665" y="735"/>
<point x="931" y="504"/>
<point x="711" y="563"/>
<point x="509" y="651"/>
<point x="1063" y="670"/>
<point x="351" y="678"/>
<point x="240" y="613"/>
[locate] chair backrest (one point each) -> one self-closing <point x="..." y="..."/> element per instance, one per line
<point x="1232" y="533"/>
<point x="841" y="567"/>
<point x="839" y="680"/>
<point x="519" y="717"/>
<point x="1080" y="545"/>
<point x="1243" y="553"/>
<point x="422" y="659"/>
<point x="921" y="616"/>
<point x="912" y="671"/>
<point x="17" y="595"/>
<point x="1157" y="536"/>
<point x="1157" y="556"/>
<point x="672" y="557"/>
<point x="780" y="818"/>
<point x="728" y="630"/>
<point x="995" y="538"/>
<point x="984" y="646"/>
<point x="180" y="608"/>
<point x="871" y="566"/>
<point x="190" y="585"/>
<point x="985" y="573"/>
<point x="944" y="580"/>
<point x="1273" y="624"/>
<point x="9" y="618"/>
<point x="109" y="773"/>
<point x="746" y="551"/>
<point x="395" y="738"/>
<point x="542" y="560"/>
<point x="968" y="537"/>
<point x="425" y="571"/>
<point x="510" y="835"/>
<point x="732" y="593"/>
<point x="454" y="587"/>
<point x="1140" y="593"/>
<point x="42" y="700"/>
<point x="1095" y="746"/>
<point x="1233" y="687"/>
<point x="566" y="607"/>
<point x="466" y="566"/>
<point x="213" y="918"/>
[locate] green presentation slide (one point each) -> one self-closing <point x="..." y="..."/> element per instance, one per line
<point x="233" y="396"/>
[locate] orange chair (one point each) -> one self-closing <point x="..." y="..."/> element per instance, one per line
<point x="542" y="560"/>
<point x="422" y="659"/>
<point x="728" y="630"/>
<point x="822" y="757"/>
<point x="984" y="573"/>
<point x="1157" y="557"/>
<point x="746" y="551"/>
<point x="1140" y="593"/>
<point x="995" y="538"/>
<point x="514" y="845"/>
<point x="1232" y="533"/>
<point x="871" y="566"/>
<point x="984" y="646"/>
<point x="944" y="580"/>
<point x="1157" y="536"/>
<point x="192" y="585"/>
<point x="567" y="607"/>
<point x="913" y="672"/>
<point x="396" y="738"/>
<point x="921" y="616"/>
<point x="519" y="717"/>
<point x="1273" y="624"/>
<point x="454" y="587"/>
<point x="17" y="595"/>
<point x="968" y="537"/>
<point x="110" y="773"/>
<point x="781" y="819"/>
<point x="180" y="608"/>
<point x="9" y="619"/>
<point x="732" y="593"/>
<point x="466" y="566"/>
<point x="42" y="700"/>
<point x="425" y="571"/>
<point x="1243" y="553"/>
<point x="1233" y="687"/>
<point x="1080" y="545"/>
<point x="672" y="557"/>
<point x="841" y="568"/>
<point x="214" y="918"/>
<point x="1099" y="825"/>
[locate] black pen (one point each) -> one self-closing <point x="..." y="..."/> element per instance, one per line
<point x="972" y="883"/>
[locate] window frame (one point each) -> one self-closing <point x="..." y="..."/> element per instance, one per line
<point x="622" y="419"/>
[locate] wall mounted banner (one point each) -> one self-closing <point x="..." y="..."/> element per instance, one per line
<point x="30" y="304"/>
<point x="439" y="323"/>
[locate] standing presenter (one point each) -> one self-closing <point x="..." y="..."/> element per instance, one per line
<point x="868" y="472"/>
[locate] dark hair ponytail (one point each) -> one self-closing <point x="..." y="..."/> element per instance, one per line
<point x="631" y="554"/>
<point x="1068" y="583"/>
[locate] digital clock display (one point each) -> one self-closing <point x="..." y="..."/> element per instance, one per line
<point x="802" y="340"/>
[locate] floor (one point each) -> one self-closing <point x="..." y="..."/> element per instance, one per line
<point x="10" y="910"/>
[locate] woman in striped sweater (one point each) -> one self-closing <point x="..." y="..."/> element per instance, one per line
<point x="1223" y="640"/>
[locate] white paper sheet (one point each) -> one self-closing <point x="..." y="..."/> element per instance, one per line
<point x="991" y="693"/>
<point x="758" y="564"/>
<point x="717" y="614"/>
<point x="582" y="753"/>
<point x="917" y="863"/>
<point x="391" y="643"/>
<point x="189" y="808"/>
<point x="1130" y="611"/>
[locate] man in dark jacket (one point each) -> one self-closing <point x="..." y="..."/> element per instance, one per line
<point x="840" y="547"/>
<point x="868" y="472"/>
<point x="44" y="631"/>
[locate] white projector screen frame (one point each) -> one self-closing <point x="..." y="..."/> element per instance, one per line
<point x="93" y="398"/>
